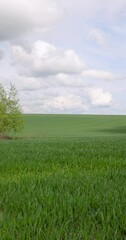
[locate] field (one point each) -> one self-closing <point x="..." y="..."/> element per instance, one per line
<point x="73" y="125"/>
<point x="64" y="178"/>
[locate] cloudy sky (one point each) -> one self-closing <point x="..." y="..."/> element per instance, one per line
<point x="65" y="56"/>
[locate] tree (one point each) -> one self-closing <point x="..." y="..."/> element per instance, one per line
<point x="11" y="119"/>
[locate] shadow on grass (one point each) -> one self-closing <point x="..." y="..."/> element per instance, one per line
<point x="117" y="130"/>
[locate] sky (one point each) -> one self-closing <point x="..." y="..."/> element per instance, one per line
<point x="65" y="56"/>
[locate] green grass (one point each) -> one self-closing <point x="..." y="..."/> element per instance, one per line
<point x="69" y="184"/>
<point x="73" y="125"/>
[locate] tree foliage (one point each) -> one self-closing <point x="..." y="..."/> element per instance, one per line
<point x="10" y="113"/>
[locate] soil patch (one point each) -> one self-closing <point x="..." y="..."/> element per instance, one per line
<point x="5" y="137"/>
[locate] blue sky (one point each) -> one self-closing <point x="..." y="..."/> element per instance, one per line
<point x="65" y="56"/>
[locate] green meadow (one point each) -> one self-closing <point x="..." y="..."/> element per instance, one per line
<point x="64" y="178"/>
<point x="72" y="125"/>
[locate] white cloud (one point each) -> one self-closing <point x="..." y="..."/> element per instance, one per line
<point x="69" y="103"/>
<point x="99" y="97"/>
<point x="18" y="17"/>
<point x="1" y="54"/>
<point x="98" y="74"/>
<point x="54" y="80"/>
<point x="27" y="83"/>
<point x="66" y="80"/>
<point x="97" y="36"/>
<point x="97" y="8"/>
<point x="46" y="59"/>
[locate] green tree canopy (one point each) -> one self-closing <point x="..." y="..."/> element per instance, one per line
<point x="10" y="112"/>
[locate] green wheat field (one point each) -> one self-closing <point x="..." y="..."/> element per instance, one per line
<point x="64" y="178"/>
